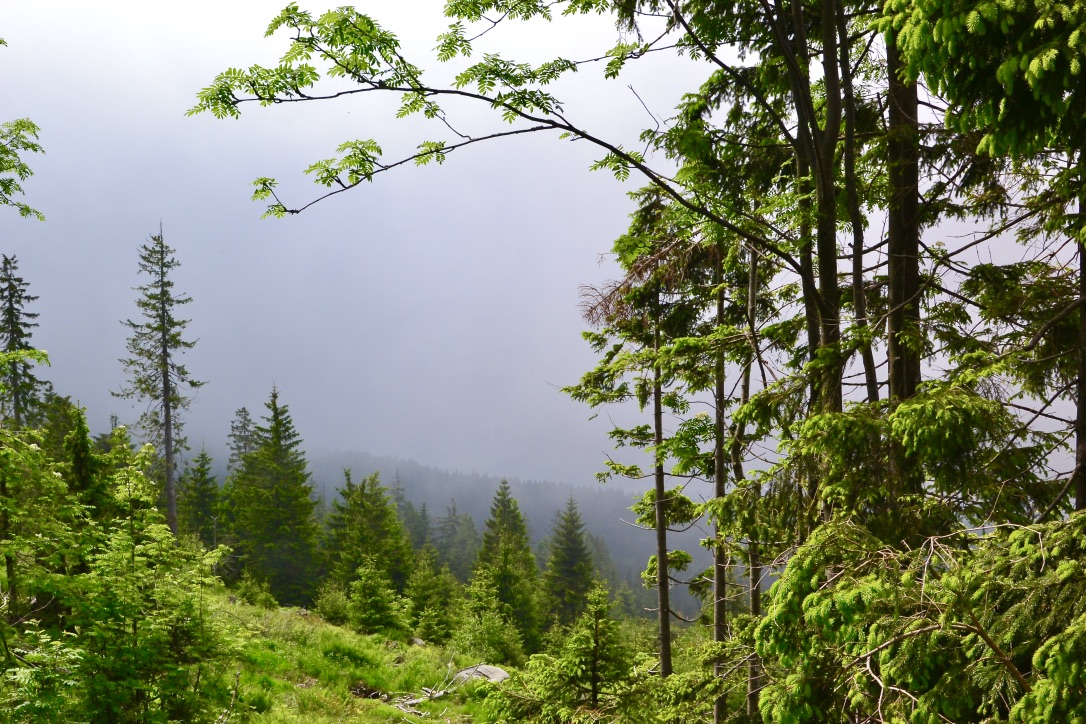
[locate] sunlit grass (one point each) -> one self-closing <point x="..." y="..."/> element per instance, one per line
<point x="294" y="667"/>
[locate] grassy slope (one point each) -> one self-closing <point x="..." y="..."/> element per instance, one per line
<point x="294" y="667"/>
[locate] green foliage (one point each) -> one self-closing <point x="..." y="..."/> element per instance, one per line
<point x="138" y="644"/>
<point x="507" y="559"/>
<point x="17" y="137"/>
<point x="255" y="592"/>
<point x="270" y="506"/>
<point x="433" y="597"/>
<point x="590" y="675"/>
<point x="198" y="501"/>
<point x="486" y="628"/>
<point x="568" y="574"/>
<point x="374" y="607"/>
<point x="364" y="525"/>
<point x="23" y="391"/>
<point x="457" y="542"/>
<point x="332" y="603"/>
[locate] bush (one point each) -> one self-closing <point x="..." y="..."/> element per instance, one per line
<point x="255" y="593"/>
<point x="332" y="603"/>
<point x="374" y="607"/>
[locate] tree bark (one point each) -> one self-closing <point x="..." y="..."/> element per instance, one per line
<point x="903" y="232"/>
<point x="720" y="555"/>
<point x="662" y="576"/>
<point x="1080" y="416"/>
<point x="856" y="219"/>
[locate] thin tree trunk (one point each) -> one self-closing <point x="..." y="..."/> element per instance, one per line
<point x="754" y="567"/>
<point x="831" y="399"/>
<point x="9" y="560"/>
<point x="1080" y="417"/>
<point x="856" y="220"/>
<point x="167" y="422"/>
<point x="662" y="575"/>
<point x="720" y="555"/>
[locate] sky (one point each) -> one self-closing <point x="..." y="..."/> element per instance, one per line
<point x="431" y="315"/>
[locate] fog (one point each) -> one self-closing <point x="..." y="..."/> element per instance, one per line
<point x="431" y="315"/>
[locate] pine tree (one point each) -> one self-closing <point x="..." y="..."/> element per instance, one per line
<point x="364" y="525"/>
<point x="432" y="593"/>
<point x="198" y="501"/>
<point x="506" y="555"/>
<point x="22" y="389"/>
<point x="568" y="575"/>
<point x="271" y="502"/>
<point x="155" y="375"/>
<point x="242" y="438"/>
<point x="457" y="542"/>
<point x="416" y="521"/>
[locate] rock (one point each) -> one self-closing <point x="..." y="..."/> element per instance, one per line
<point x="417" y="642"/>
<point x="481" y="671"/>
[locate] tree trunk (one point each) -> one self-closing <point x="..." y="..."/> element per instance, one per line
<point x="903" y="233"/>
<point x="1080" y="416"/>
<point x="167" y="434"/>
<point x="720" y="555"/>
<point x="856" y="219"/>
<point x="9" y="560"/>
<point x="754" y="566"/>
<point x="662" y="575"/>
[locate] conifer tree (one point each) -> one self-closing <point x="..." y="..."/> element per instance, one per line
<point x="416" y="521"/>
<point x="457" y="542"/>
<point x="155" y="373"/>
<point x="198" y="501"/>
<point x="506" y="555"/>
<point x="22" y="389"/>
<point x="242" y="438"/>
<point x="363" y="526"/>
<point x="568" y="575"/>
<point x="271" y="503"/>
<point x="431" y="592"/>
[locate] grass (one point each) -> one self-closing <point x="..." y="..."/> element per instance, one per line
<point x="292" y="666"/>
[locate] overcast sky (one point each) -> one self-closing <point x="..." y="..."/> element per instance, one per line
<point x="431" y="315"/>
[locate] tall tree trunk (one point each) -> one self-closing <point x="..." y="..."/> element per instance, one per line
<point x="856" y="219"/>
<point x="829" y="289"/>
<point x="720" y="554"/>
<point x="662" y="575"/>
<point x="1080" y="416"/>
<point x="903" y="232"/>
<point x="754" y="566"/>
<point x="167" y="433"/>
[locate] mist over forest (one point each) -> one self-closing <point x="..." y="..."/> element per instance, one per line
<point x="555" y="361"/>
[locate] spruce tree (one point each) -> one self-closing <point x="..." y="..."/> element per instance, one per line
<point x="22" y="390"/>
<point x="364" y="526"/>
<point x="198" y="501"/>
<point x="155" y="374"/>
<point x="242" y="438"/>
<point x="568" y="575"/>
<point x="457" y="542"/>
<point x="432" y="593"/>
<point x="271" y="502"/>
<point x="506" y="556"/>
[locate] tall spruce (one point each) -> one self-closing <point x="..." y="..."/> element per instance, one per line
<point x="155" y="373"/>
<point x="457" y="541"/>
<point x="22" y="389"/>
<point x="362" y="526"/>
<point x="271" y="505"/>
<point x="568" y="575"/>
<point x="198" y="501"/>
<point x="242" y="438"/>
<point x="506" y="556"/>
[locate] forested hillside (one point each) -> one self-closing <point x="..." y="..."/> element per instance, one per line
<point x="843" y="356"/>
